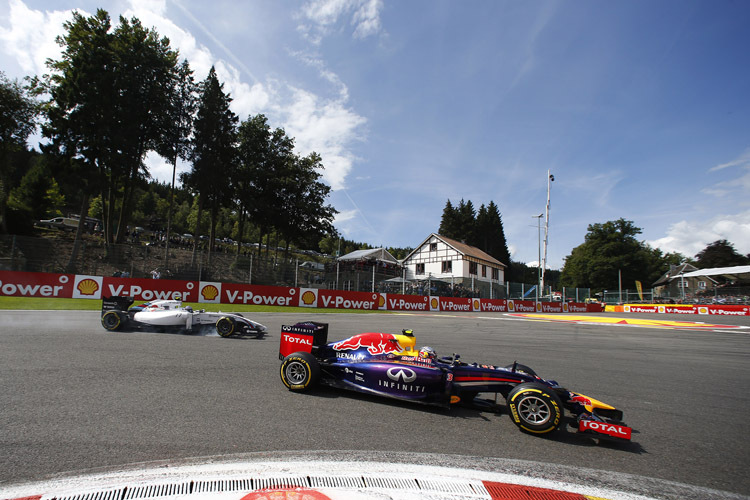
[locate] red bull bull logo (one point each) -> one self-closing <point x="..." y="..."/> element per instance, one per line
<point x="376" y="343"/>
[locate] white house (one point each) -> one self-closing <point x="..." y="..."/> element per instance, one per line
<point x="450" y="260"/>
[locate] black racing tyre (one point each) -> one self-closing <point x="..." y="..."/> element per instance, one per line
<point x="111" y="320"/>
<point x="535" y="408"/>
<point x="300" y="371"/>
<point x="522" y="369"/>
<point x="225" y="326"/>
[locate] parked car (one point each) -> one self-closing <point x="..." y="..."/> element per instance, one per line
<point x="64" y="223"/>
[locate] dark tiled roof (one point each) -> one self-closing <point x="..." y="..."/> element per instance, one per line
<point x="470" y="251"/>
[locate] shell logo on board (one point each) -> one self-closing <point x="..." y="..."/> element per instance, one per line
<point x="308" y="298"/>
<point x="87" y="287"/>
<point x="209" y="292"/>
<point x="381" y="301"/>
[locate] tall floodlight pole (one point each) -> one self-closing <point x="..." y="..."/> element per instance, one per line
<point x="539" y="252"/>
<point x="550" y="178"/>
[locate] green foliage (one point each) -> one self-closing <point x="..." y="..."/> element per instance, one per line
<point x="109" y="95"/>
<point x="720" y="253"/>
<point x="213" y="153"/>
<point x="38" y="193"/>
<point x="611" y="252"/>
<point x="276" y="188"/>
<point x="18" y="112"/>
<point x="400" y="252"/>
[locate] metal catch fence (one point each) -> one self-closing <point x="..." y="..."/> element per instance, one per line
<point x="56" y="253"/>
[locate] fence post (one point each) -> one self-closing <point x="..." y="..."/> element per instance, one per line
<point x="13" y="253"/>
<point x="250" y="273"/>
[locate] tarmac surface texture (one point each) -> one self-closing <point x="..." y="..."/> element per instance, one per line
<point x="74" y="397"/>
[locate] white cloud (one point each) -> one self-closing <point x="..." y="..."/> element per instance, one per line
<point x="364" y="16"/>
<point x="690" y="237"/>
<point x="732" y="190"/>
<point x="595" y="187"/>
<point x="326" y="127"/>
<point x="346" y="222"/>
<point x="742" y="160"/>
<point x="366" y="19"/>
<point x="30" y="38"/>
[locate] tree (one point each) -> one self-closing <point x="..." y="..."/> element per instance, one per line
<point x="305" y="214"/>
<point x="466" y="220"/>
<point x="252" y="152"/>
<point x="720" y="253"/>
<point x="611" y="253"/>
<point x="18" y="111"/>
<point x="449" y="224"/>
<point x="38" y="194"/>
<point x="108" y="95"/>
<point x="490" y="234"/>
<point x="213" y="152"/>
<point x="178" y="127"/>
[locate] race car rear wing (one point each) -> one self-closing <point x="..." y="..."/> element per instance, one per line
<point x="116" y="303"/>
<point x="307" y="336"/>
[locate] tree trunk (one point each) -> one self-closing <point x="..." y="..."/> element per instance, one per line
<point x="169" y="216"/>
<point x="71" y="267"/>
<point x="196" y="236"/>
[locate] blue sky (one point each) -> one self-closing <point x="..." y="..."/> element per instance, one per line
<point x="640" y="109"/>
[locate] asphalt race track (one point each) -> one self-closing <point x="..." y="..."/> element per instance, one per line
<point x="75" y="397"/>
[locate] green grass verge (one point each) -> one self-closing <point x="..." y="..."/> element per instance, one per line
<point x="37" y="304"/>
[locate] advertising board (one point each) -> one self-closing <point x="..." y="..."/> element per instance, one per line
<point x="60" y="285"/>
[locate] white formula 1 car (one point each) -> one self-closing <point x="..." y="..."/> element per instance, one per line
<point x="171" y="316"/>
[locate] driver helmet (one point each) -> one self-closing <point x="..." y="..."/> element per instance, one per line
<point x="427" y="352"/>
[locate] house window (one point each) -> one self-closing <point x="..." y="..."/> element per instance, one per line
<point x="496" y="274"/>
<point x="702" y="285"/>
<point x="484" y="271"/>
<point x="420" y="269"/>
<point x="447" y="266"/>
<point x="472" y="268"/>
<point x="433" y="247"/>
<point x="683" y="284"/>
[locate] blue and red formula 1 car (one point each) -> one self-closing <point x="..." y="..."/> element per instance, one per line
<point x="388" y="365"/>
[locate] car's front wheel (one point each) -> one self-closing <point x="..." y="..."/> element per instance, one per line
<point x="518" y="367"/>
<point x="300" y="371"/>
<point x="225" y="326"/>
<point x="535" y="408"/>
<point x="111" y="320"/>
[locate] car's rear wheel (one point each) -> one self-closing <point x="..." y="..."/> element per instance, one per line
<point x="535" y="408"/>
<point x="112" y="320"/>
<point x="225" y="326"/>
<point x="300" y="371"/>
